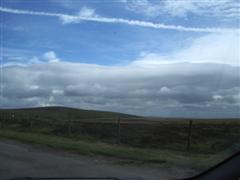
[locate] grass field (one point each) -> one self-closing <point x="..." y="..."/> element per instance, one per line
<point x="158" y="140"/>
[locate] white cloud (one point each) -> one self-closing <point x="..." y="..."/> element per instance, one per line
<point x="51" y="57"/>
<point x="143" y="6"/>
<point x="84" y="14"/>
<point x="87" y="12"/>
<point x="213" y="48"/>
<point x="89" y="15"/>
<point x="47" y="57"/>
<point x="180" y="8"/>
<point x="224" y="9"/>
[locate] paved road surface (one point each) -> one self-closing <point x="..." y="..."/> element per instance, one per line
<point x="17" y="160"/>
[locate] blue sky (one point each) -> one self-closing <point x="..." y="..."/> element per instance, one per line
<point x="120" y="34"/>
<point x="110" y="43"/>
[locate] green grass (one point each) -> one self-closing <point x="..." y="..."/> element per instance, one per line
<point x="117" y="151"/>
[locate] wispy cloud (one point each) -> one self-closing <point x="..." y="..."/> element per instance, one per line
<point x="89" y="15"/>
<point x="223" y="9"/>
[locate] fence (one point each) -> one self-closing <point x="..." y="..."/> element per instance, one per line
<point x="137" y="132"/>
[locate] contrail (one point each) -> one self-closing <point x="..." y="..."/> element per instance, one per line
<point x="66" y="19"/>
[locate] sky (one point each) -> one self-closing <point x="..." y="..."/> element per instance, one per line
<point x="151" y="58"/>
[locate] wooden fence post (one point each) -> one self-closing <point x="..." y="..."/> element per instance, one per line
<point x="2" y="121"/>
<point x="189" y="135"/>
<point x="119" y="131"/>
<point x="69" y="128"/>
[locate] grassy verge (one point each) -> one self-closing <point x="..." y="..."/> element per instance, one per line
<point x="118" y="151"/>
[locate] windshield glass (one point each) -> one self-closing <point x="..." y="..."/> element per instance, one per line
<point x="118" y="88"/>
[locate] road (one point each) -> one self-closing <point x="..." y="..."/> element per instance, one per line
<point x="18" y="160"/>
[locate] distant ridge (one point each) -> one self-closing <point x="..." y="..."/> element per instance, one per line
<point x="61" y="113"/>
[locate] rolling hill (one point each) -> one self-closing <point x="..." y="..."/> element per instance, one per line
<point x="58" y="113"/>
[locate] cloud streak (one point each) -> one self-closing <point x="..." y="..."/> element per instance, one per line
<point x="67" y="19"/>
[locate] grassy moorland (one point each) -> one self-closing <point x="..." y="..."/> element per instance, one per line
<point x="158" y="140"/>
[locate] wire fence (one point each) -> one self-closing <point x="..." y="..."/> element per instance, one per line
<point x="137" y="132"/>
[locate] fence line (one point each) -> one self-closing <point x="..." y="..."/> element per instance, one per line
<point x="69" y="124"/>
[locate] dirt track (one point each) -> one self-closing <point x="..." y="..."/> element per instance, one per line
<point x="18" y="160"/>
